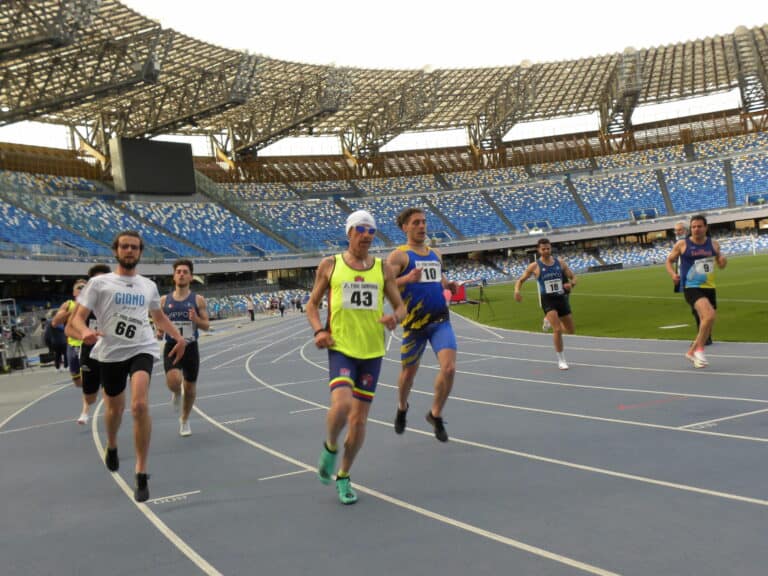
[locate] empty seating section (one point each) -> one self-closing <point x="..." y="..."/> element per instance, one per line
<point x="397" y="185"/>
<point x="486" y="178"/>
<point x="551" y="201"/>
<point x="750" y="176"/>
<point x="632" y="255"/>
<point x="731" y="145"/>
<point x="323" y="188"/>
<point x="208" y="225"/>
<point x="642" y="158"/>
<point x="464" y="271"/>
<point x="36" y="235"/>
<point x="251" y="191"/>
<point x="696" y="187"/>
<point x="580" y="164"/>
<point x="312" y="225"/>
<point x="469" y="213"/>
<point x="46" y="183"/>
<point x="610" y="197"/>
<point x="386" y="209"/>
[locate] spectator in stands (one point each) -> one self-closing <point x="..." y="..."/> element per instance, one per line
<point x="356" y="284"/>
<point x="699" y="256"/>
<point x="125" y="347"/>
<point x="681" y="233"/>
<point x="421" y="281"/>
<point x="555" y="280"/>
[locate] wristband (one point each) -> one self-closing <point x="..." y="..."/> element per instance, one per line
<point x="320" y="330"/>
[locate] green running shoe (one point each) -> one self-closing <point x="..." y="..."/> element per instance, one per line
<point x="326" y="464"/>
<point x="346" y="494"/>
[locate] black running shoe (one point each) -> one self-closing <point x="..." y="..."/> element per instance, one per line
<point x="437" y="424"/>
<point x="400" y="420"/>
<point x="141" y="494"/>
<point x="708" y="342"/>
<point x="111" y="459"/>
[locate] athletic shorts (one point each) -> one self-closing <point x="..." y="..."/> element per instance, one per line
<point x="114" y="375"/>
<point x="558" y="302"/>
<point x="189" y="363"/>
<point x="360" y="375"/>
<point x="89" y="369"/>
<point x="73" y="356"/>
<point x="440" y="335"/>
<point x="693" y="294"/>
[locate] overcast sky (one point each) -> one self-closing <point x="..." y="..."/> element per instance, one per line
<point x="413" y="34"/>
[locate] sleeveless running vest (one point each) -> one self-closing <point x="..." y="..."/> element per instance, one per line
<point x="178" y="313"/>
<point x="550" y="278"/>
<point x="424" y="299"/>
<point x="697" y="265"/>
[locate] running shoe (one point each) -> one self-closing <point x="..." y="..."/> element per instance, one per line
<point x="400" y="420"/>
<point x="326" y="464"/>
<point x="141" y="493"/>
<point x="111" y="459"/>
<point x="699" y="355"/>
<point x="176" y="401"/>
<point x="184" y="429"/>
<point x="562" y="364"/>
<point x="83" y="420"/>
<point x="696" y="362"/>
<point x="344" y="488"/>
<point x="437" y="424"/>
<point x="545" y="325"/>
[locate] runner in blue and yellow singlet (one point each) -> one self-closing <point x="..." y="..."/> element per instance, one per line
<point x="699" y="257"/>
<point x="421" y="281"/>
<point x="356" y="285"/>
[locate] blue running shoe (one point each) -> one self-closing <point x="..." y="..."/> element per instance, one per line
<point x="326" y="465"/>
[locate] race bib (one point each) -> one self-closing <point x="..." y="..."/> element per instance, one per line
<point x="359" y="296"/>
<point x="186" y="329"/>
<point x="430" y="270"/>
<point x="704" y="266"/>
<point x="123" y="327"/>
<point x="553" y="286"/>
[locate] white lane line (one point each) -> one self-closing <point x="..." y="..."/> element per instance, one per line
<point x="723" y="419"/>
<point x="673" y="326"/>
<point x="306" y="410"/>
<point x="32" y="403"/>
<point x="302" y="471"/>
<point x="566" y="463"/>
<point x="405" y="505"/>
<point x="254" y="352"/>
<point x="173" y="497"/>
<point x="699" y="373"/>
<point x="161" y="526"/>
<point x="239" y="420"/>
<point x="36" y="426"/>
<point x="276" y="360"/>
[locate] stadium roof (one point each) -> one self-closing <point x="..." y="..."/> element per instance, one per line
<point x="106" y="70"/>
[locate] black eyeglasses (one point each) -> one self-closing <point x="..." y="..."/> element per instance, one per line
<point x="80" y="287"/>
<point x="129" y="247"/>
<point x="364" y="229"/>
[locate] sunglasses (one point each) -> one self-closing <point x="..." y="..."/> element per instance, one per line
<point x="364" y="229"/>
<point x="80" y="287"/>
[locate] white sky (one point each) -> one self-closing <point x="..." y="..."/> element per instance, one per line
<point x="413" y="34"/>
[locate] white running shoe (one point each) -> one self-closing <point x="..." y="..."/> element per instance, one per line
<point x="176" y="401"/>
<point x="697" y="363"/>
<point x="184" y="429"/>
<point x="562" y="364"/>
<point x="83" y="420"/>
<point x="699" y="355"/>
<point x="546" y="326"/>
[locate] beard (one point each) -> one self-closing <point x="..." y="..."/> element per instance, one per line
<point x="127" y="264"/>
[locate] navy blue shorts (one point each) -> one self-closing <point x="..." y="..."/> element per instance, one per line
<point x="360" y="375"/>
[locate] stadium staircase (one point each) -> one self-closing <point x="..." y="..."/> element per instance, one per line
<point x="728" y="170"/>
<point x="444" y="218"/>
<point x="212" y="190"/>
<point x="664" y="191"/>
<point x="577" y="199"/>
<point x="499" y="211"/>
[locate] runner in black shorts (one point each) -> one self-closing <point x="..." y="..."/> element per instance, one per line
<point x="189" y="313"/>
<point x="556" y="280"/>
<point x="89" y="367"/>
